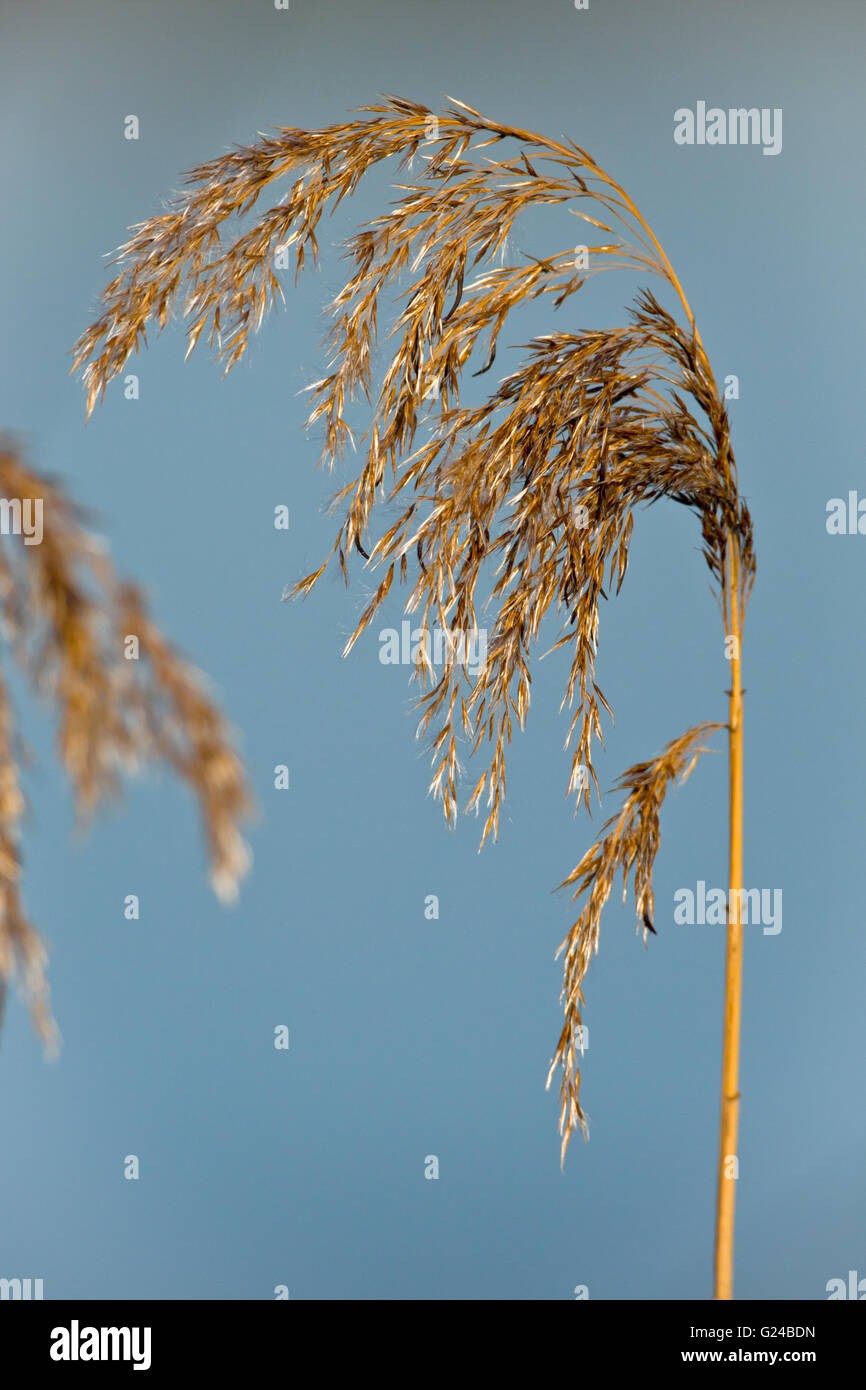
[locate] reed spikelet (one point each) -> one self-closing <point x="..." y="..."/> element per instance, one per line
<point x="65" y="618"/>
<point x="539" y="483"/>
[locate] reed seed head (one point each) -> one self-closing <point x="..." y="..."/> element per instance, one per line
<point x="536" y="488"/>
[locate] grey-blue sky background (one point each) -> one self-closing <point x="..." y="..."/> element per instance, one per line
<point x="411" y="1037"/>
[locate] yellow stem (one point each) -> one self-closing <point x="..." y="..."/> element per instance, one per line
<point x="728" y="1162"/>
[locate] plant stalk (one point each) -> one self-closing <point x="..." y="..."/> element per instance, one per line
<point x="727" y="1177"/>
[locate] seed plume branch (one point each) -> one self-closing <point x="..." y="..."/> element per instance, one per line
<point x="629" y="843"/>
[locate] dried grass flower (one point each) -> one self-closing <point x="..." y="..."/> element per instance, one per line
<point x="537" y="486"/>
<point x="67" y="622"/>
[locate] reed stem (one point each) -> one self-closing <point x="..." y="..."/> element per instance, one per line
<point x="730" y="1110"/>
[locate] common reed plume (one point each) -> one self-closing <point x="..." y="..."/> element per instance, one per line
<point x="66" y="618"/>
<point x="538" y="485"/>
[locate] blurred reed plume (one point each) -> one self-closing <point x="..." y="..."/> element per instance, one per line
<point x="538" y="484"/>
<point x="65" y="616"/>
